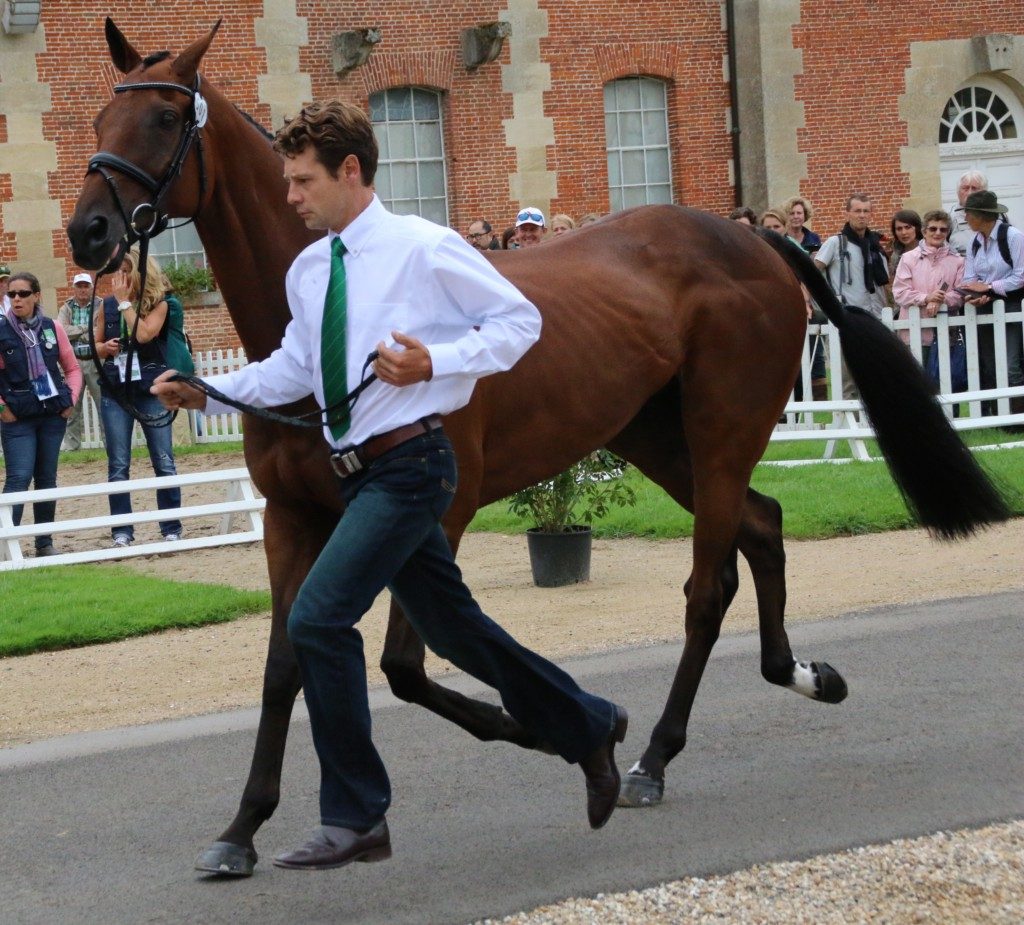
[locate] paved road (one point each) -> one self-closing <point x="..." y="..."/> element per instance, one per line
<point x="103" y="828"/>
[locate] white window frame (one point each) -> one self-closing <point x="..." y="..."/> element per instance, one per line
<point x="380" y="126"/>
<point x="174" y="254"/>
<point x="615" y="149"/>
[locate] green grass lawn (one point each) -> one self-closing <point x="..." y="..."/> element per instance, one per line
<point x="67" y="606"/>
<point x="78" y="605"/>
<point x="817" y="501"/>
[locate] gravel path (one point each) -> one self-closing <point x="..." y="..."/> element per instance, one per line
<point x="949" y="877"/>
<point x="635" y="598"/>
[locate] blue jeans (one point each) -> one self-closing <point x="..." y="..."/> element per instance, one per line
<point x="31" y="450"/>
<point x="390" y="537"/>
<point x="117" y="427"/>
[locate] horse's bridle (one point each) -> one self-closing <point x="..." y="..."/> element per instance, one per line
<point x="147" y="219"/>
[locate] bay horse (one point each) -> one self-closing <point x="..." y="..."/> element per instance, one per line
<point x="670" y="336"/>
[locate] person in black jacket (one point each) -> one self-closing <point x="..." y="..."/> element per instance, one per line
<point x="40" y="381"/>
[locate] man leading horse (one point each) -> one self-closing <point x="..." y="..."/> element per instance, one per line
<point x="453" y="319"/>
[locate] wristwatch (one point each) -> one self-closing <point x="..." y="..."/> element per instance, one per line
<point x="124" y="306"/>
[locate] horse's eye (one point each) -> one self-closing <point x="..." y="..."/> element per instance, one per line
<point x="168" y="118"/>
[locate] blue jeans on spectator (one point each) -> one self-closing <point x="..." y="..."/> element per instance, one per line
<point x="390" y="537"/>
<point x="117" y="426"/>
<point x="31" y="450"/>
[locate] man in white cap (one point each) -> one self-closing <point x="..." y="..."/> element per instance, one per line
<point x="75" y="316"/>
<point x="530" y="227"/>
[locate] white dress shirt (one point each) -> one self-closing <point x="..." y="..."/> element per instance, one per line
<point x="404" y="274"/>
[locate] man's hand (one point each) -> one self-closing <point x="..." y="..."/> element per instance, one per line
<point x="176" y="395"/>
<point x="403" y="367"/>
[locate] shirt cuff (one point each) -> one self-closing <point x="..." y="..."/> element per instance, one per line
<point x="444" y="359"/>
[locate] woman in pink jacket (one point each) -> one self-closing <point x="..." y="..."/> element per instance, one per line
<point x="927" y="276"/>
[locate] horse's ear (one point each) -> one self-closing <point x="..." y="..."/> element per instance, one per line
<point x="125" y="57"/>
<point x="187" y="63"/>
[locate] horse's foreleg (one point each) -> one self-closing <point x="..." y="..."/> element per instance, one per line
<point x="760" y="541"/>
<point x="718" y="507"/>
<point x="293" y="541"/>
<point x="402" y="664"/>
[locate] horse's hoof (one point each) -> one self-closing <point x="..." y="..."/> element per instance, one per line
<point x="640" y="789"/>
<point x="228" y="860"/>
<point x="833" y="688"/>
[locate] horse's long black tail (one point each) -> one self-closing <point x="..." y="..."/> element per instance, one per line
<point x="940" y="480"/>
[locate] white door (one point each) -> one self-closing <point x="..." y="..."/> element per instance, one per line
<point x="981" y="129"/>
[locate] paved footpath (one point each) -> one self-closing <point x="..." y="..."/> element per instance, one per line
<point x="102" y="828"/>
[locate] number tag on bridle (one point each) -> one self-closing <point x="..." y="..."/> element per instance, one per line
<point x="202" y="110"/>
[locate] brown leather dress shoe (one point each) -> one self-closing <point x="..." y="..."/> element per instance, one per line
<point x="333" y="846"/>
<point x="603" y="780"/>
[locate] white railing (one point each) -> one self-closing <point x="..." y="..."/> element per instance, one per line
<point x="848" y="422"/>
<point x="240" y="501"/>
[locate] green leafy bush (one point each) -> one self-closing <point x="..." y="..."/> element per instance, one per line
<point x="583" y="492"/>
<point x="187" y="279"/>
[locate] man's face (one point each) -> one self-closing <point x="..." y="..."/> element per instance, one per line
<point x="82" y="293"/>
<point x="479" y="238"/>
<point x="858" y="215"/>
<point x="529" y="234"/>
<point x="965" y="189"/>
<point x="321" y="200"/>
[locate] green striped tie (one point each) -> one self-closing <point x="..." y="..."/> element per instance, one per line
<point x="332" y="342"/>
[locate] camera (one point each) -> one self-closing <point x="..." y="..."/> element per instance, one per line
<point x="122" y="344"/>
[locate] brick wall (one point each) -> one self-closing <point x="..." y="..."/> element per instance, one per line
<point x="852" y="80"/>
<point x="854" y="56"/>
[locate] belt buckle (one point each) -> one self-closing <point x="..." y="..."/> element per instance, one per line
<point x="346" y="463"/>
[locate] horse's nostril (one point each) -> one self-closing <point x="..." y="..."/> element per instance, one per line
<point x="97" y="230"/>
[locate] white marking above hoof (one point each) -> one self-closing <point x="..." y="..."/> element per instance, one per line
<point x="805" y="680"/>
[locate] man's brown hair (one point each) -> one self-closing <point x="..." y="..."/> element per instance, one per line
<point x="335" y="130"/>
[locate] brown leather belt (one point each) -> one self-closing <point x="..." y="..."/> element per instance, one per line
<point x="353" y="459"/>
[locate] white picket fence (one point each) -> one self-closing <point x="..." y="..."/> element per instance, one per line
<point x="848" y="421"/>
<point x="205" y="525"/>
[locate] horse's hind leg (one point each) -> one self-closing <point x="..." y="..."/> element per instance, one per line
<point x="402" y="664"/>
<point x="294" y="538"/>
<point x="760" y="541"/>
<point x="654" y="442"/>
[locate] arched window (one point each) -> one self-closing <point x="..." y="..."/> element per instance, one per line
<point x="636" y="137"/>
<point x="976" y="114"/>
<point x="411" y="177"/>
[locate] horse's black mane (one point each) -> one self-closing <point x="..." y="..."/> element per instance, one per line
<point x="159" y="56"/>
<point x="268" y="135"/>
<point x="155" y="58"/>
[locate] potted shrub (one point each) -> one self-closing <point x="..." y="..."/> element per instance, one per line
<point x="561" y="510"/>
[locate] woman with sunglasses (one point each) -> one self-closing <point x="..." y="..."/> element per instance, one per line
<point x="112" y="328"/>
<point x="927" y="276"/>
<point x="40" y="381"/>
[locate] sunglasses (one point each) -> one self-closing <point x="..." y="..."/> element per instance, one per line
<point x="530" y="215"/>
<point x="932" y="228"/>
<point x="477" y="235"/>
<point x="20" y="293"/>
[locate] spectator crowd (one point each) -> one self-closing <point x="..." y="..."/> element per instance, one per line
<point x="964" y="253"/>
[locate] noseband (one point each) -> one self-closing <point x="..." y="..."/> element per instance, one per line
<point x="148" y="219"/>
